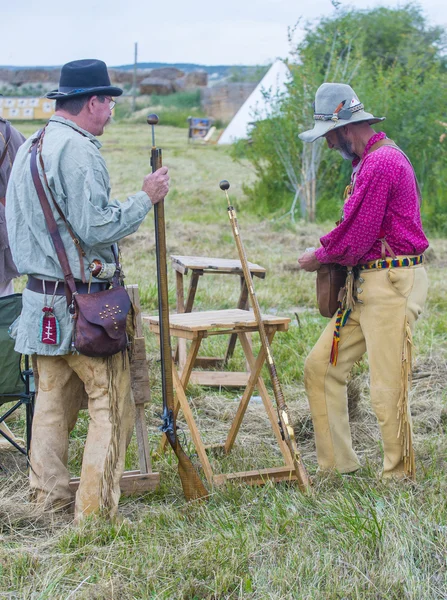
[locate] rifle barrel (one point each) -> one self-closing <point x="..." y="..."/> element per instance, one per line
<point x="193" y="487"/>
<point x="283" y="412"/>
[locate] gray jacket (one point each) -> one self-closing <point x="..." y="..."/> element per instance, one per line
<point x="79" y="181"/>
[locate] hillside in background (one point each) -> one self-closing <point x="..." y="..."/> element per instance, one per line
<point x="245" y="72"/>
<point x="215" y="72"/>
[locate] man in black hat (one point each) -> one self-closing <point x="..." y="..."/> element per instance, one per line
<point x="76" y="181"/>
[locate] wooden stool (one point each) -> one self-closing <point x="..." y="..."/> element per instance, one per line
<point x="145" y="479"/>
<point x="199" y="265"/>
<point x="199" y="325"/>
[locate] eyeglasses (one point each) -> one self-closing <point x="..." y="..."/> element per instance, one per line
<point x="112" y="102"/>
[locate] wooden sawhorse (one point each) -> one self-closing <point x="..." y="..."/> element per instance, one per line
<point x="199" y="265"/>
<point x="143" y="480"/>
<point x="199" y="325"/>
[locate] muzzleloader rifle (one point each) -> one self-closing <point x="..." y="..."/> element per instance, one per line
<point x="193" y="487"/>
<point x="284" y="423"/>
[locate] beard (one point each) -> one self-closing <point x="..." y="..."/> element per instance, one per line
<point x="344" y="147"/>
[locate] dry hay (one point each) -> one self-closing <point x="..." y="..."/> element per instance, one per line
<point x="256" y="446"/>
<point x="19" y="517"/>
<point x="428" y="410"/>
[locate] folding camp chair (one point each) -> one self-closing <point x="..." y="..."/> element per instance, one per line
<point x="16" y="377"/>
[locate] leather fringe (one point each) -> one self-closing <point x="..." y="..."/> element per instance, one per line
<point x="349" y="300"/>
<point x="106" y="483"/>
<point x="403" y="406"/>
<point x="346" y="305"/>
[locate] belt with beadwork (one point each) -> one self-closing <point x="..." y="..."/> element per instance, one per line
<point x="391" y="263"/>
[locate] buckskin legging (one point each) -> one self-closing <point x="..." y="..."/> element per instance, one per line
<point x="389" y="301"/>
<point x="63" y="383"/>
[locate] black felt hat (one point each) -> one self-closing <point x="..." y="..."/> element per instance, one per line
<point x="81" y="77"/>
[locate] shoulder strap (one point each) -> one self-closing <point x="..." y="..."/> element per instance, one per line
<point x="76" y="241"/>
<point x="388" y="142"/>
<point x="70" y="288"/>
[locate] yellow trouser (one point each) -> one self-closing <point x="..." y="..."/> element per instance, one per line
<point x="388" y="299"/>
<point x="63" y="382"/>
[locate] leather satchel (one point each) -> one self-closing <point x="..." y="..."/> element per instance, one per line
<point x="100" y="322"/>
<point x="331" y="279"/>
<point x="100" y="318"/>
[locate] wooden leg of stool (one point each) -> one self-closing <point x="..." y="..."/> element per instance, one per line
<point x="186" y="374"/>
<point x="269" y="408"/>
<point x="144" y="455"/>
<point x="254" y="375"/>
<point x="180" y="352"/>
<point x="197" y="440"/>
<point x="139" y="377"/>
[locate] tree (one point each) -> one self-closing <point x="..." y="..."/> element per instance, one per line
<point x="397" y="66"/>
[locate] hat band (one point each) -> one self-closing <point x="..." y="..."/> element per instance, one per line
<point x="344" y="114"/>
<point x="68" y="90"/>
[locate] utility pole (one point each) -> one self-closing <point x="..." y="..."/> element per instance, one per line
<point x="134" y="83"/>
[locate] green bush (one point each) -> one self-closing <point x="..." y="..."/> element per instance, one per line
<point x="397" y="65"/>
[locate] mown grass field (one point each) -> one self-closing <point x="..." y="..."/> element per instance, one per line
<point x="353" y="537"/>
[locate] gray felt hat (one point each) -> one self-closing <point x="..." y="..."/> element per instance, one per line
<point x="336" y="105"/>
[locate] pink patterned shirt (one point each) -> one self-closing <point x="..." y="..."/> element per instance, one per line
<point x="384" y="201"/>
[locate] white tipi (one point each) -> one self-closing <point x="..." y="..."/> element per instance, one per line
<point x="256" y="106"/>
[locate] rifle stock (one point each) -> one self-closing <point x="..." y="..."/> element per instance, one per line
<point x="193" y="487"/>
<point x="286" y="428"/>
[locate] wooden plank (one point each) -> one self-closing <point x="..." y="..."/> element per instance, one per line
<point x="139" y="373"/>
<point x="216" y="319"/>
<point x="219" y="378"/>
<point x="144" y="454"/>
<point x="180" y="297"/>
<point x="179" y="268"/>
<point x="141" y="391"/>
<point x="132" y="482"/>
<point x="205" y="362"/>
<point x="139" y="350"/>
<point x="154" y="328"/>
<point x="192" y="291"/>
<point x="180" y="350"/>
<point x="257" y="477"/>
<point x="214" y="264"/>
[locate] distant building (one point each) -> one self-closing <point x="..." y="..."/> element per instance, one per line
<point x="22" y="108"/>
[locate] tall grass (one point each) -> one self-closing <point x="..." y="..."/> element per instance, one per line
<point x="353" y="537"/>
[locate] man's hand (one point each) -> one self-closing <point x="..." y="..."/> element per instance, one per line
<point x="156" y="185"/>
<point x="308" y="261"/>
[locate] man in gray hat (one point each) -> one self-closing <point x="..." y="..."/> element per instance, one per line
<point x="10" y="140"/>
<point x="76" y="182"/>
<point x="381" y="242"/>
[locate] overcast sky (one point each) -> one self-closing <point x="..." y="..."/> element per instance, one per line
<point x="199" y="31"/>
